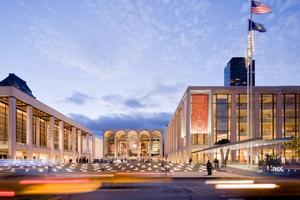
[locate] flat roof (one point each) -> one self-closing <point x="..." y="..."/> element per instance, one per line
<point x="10" y="91"/>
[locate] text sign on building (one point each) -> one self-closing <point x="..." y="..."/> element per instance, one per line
<point x="199" y="113"/>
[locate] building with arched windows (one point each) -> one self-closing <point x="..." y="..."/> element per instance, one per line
<point x="129" y="143"/>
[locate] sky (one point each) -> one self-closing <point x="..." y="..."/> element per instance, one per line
<point x="126" y="64"/>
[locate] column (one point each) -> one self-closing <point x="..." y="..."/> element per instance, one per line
<point x="87" y="140"/>
<point x="51" y="138"/>
<point x="279" y="116"/>
<point x="61" y="140"/>
<point x="79" y="138"/>
<point x="116" y="154"/>
<point x="233" y="136"/>
<point x="29" y="131"/>
<point x="139" y="146"/>
<point x="73" y="142"/>
<point x="93" y="146"/>
<point x="12" y="118"/>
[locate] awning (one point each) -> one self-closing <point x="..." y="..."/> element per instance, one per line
<point x="256" y="142"/>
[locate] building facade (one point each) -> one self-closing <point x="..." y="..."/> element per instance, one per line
<point x="235" y="72"/>
<point x="132" y="144"/>
<point x="211" y="122"/>
<point x="32" y="130"/>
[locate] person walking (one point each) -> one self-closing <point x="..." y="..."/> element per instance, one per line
<point x="209" y="168"/>
<point x="216" y="162"/>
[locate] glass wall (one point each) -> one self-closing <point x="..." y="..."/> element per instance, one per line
<point x="241" y="116"/>
<point x="21" y="126"/>
<point x="267" y="115"/>
<point x="199" y="139"/>
<point x="290" y="116"/>
<point x="3" y="121"/>
<point x="56" y="137"/>
<point x="43" y="133"/>
<point x="155" y="143"/>
<point x="67" y="134"/>
<point x="221" y="116"/>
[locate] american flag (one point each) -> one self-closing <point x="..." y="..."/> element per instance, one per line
<point x="259" y="8"/>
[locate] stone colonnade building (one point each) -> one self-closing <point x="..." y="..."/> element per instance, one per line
<point x="31" y="130"/>
<point x="131" y="144"/>
<point x="211" y="122"/>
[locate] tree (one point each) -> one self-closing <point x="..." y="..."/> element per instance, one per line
<point x="293" y="145"/>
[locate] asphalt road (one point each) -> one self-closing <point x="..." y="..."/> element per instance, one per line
<point x="187" y="189"/>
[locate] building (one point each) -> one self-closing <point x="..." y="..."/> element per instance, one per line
<point x="32" y="130"/>
<point x="235" y="72"/>
<point x="211" y="122"/>
<point x="132" y="144"/>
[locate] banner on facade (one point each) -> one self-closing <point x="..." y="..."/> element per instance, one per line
<point x="199" y="113"/>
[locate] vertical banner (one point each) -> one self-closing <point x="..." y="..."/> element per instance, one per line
<point x="199" y="113"/>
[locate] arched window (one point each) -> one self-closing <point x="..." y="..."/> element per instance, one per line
<point x="145" y="143"/>
<point x="121" y="144"/>
<point x="109" y="140"/>
<point x="133" y="144"/>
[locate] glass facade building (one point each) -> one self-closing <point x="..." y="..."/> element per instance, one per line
<point x="32" y="130"/>
<point x="276" y="115"/>
<point x="235" y="72"/>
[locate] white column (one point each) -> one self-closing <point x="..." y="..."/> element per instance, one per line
<point x="29" y="131"/>
<point x="37" y="133"/>
<point x="73" y="142"/>
<point x="93" y="146"/>
<point x="79" y="138"/>
<point x="12" y="118"/>
<point x="61" y="140"/>
<point x="51" y="138"/>
<point x="87" y="140"/>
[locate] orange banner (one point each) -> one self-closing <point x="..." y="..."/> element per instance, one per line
<point x="199" y="113"/>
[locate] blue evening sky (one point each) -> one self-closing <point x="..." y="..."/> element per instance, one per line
<point x="113" y="64"/>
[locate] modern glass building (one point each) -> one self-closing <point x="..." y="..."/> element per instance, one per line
<point x="32" y="130"/>
<point x="211" y="122"/>
<point x="235" y="72"/>
<point x="132" y="144"/>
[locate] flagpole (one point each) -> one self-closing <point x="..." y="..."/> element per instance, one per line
<point x="251" y="87"/>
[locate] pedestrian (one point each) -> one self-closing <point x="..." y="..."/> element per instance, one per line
<point x="216" y="162"/>
<point x="190" y="161"/>
<point x="209" y="168"/>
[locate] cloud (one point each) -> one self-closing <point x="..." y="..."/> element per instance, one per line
<point x="133" y="121"/>
<point x="78" y="98"/>
<point x="133" y="103"/>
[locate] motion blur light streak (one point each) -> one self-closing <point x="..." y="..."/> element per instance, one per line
<point x="210" y="182"/>
<point x="58" y="181"/>
<point x="247" y="186"/>
<point x="7" y="193"/>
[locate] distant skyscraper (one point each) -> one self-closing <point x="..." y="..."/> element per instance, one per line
<point x="235" y="73"/>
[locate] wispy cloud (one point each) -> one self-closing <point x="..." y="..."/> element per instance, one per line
<point x="138" y="120"/>
<point x="78" y="98"/>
